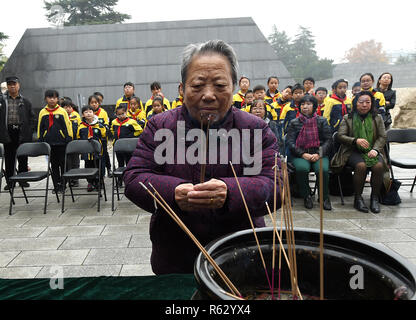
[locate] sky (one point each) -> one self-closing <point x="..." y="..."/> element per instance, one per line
<point x="337" y="26"/>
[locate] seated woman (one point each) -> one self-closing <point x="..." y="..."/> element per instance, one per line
<point x="259" y="109"/>
<point x="305" y="135"/>
<point x="362" y="137"/>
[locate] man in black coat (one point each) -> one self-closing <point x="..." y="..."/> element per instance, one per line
<point x="16" y="125"/>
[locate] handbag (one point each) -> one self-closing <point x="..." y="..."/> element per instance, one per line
<point x="391" y="195"/>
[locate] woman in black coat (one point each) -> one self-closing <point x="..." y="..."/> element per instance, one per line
<point x="384" y="85"/>
<point x="305" y="134"/>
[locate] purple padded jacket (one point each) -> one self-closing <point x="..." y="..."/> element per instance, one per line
<point x="172" y="250"/>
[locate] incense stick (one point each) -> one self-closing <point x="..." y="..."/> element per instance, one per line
<point x="169" y="210"/>
<point x="204" y="165"/>
<point x="321" y="226"/>
<point x="252" y="225"/>
<point x="274" y="222"/>
<point x="281" y="245"/>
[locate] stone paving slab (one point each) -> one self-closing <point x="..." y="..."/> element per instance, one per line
<point x="21" y="244"/>
<point x="49" y="258"/>
<point x="83" y="271"/>
<point x="96" y="242"/>
<point x="7" y="256"/>
<point x="114" y="256"/>
<point x="72" y="231"/>
<point x="19" y="272"/>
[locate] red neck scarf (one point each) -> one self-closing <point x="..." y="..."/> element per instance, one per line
<point x="344" y="107"/>
<point x="97" y="113"/>
<point x="120" y="124"/>
<point x="318" y="112"/>
<point x="90" y="131"/>
<point x="51" y="111"/>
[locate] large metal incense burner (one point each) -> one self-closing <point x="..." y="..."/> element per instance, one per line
<point x="354" y="269"/>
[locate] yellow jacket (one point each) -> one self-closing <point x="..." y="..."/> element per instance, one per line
<point x="333" y="110"/>
<point x="148" y="106"/>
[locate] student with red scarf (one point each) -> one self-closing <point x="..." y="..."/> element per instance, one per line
<point x="124" y="127"/>
<point x="338" y="104"/>
<point x="156" y="90"/>
<point x="239" y="97"/>
<point x="55" y="128"/>
<point x="91" y="128"/>
<point x="305" y="135"/>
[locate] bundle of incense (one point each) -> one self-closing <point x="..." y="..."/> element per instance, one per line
<point x="174" y="216"/>
<point x="321" y="227"/>
<point x="289" y="227"/>
<point x="252" y="226"/>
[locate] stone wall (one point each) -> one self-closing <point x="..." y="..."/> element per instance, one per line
<point x="404" y="113"/>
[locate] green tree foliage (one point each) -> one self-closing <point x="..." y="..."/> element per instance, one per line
<point x="82" y="12"/>
<point x="299" y="55"/>
<point x="3" y="58"/>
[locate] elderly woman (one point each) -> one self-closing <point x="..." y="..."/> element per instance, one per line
<point x="259" y="109"/>
<point x="305" y="135"/>
<point x="362" y="136"/>
<point x="213" y="208"/>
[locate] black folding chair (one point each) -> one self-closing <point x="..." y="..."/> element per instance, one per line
<point x="401" y="136"/>
<point x="2" y="172"/>
<point x="32" y="149"/>
<point x="92" y="147"/>
<point x="125" y="145"/>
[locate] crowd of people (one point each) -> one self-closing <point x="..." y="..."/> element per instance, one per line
<point x="303" y="119"/>
<point x="302" y="122"/>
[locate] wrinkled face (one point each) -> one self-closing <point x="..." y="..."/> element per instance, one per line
<point x="258" y="110"/>
<point x="208" y="90"/>
<point x="366" y="82"/>
<point x="341" y="89"/>
<point x="308" y="85"/>
<point x="52" y="101"/>
<point x="320" y="96"/>
<point x="13" y="87"/>
<point x="157" y="107"/>
<point x="94" y="104"/>
<point x="249" y="98"/>
<point x="385" y="79"/>
<point x="244" y="84"/>
<point x="128" y="91"/>
<point x="364" y="104"/>
<point x="306" y="108"/>
<point x="273" y="84"/>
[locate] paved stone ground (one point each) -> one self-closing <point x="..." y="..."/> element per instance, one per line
<point x="90" y="243"/>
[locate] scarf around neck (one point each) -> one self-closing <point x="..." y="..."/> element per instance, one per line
<point x="308" y="136"/>
<point x="363" y="129"/>
<point x="51" y="111"/>
<point x="342" y="100"/>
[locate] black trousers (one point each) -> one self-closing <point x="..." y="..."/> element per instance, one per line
<point x="123" y="158"/>
<point x="10" y="154"/>
<point x="57" y="163"/>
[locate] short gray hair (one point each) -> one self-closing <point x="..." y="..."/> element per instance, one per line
<point x="212" y="46"/>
